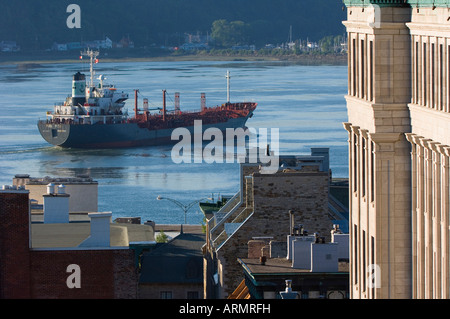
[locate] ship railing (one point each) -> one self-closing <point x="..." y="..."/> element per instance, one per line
<point x="86" y="119"/>
<point x="236" y="106"/>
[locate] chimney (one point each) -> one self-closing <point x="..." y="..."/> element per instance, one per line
<point x="56" y="205"/>
<point x="324" y="257"/>
<point x="301" y="252"/>
<point x="337" y="236"/>
<point x="100" y="230"/>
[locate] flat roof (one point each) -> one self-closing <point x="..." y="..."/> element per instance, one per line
<point x="279" y="266"/>
<point x="61" y="180"/>
<point x="73" y="234"/>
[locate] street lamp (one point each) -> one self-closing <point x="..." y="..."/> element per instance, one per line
<point x="184" y="207"/>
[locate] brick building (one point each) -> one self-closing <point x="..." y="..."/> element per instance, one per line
<point x="45" y="260"/>
<point x="261" y="209"/>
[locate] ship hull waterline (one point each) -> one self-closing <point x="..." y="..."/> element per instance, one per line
<point x="124" y="135"/>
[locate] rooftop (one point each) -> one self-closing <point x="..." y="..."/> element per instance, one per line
<point x="280" y="267"/>
<point x="71" y="235"/>
<point x="179" y="261"/>
<point x="398" y="3"/>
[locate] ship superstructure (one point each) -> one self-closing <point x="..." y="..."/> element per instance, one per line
<point x="90" y="103"/>
<point x="93" y="116"/>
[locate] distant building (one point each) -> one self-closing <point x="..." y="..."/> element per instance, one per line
<point x="98" y="44"/>
<point x="197" y="38"/>
<point x="83" y="190"/>
<point x="198" y="41"/>
<point x="106" y="43"/>
<point x="194" y="46"/>
<point x="9" y="46"/>
<point x="74" y="46"/>
<point x="125" y="42"/>
<point x="243" y="47"/>
<point x="59" y="47"/>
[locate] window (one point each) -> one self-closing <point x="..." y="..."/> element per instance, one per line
<point x="363" y="75"/>
<point x="355" y="256"/>
<point x="364" y="271"/>
<point x="363" y="167"/>
<point x="432" y="77"/>
<point x="441" y="78"/>
<point x="192" y="295"/>
<point x="371" y="66"/>
<point x="424" y="75"/>
<point x="313" y="294"/>
<point x="355" y="162"/>
<point x="165" y="295"/>
<point x="372" y="260"/>
<point x="448" y="79"/>
<point x="372" y="172"/>
<point x="416" y="69"/>
<point x="354" y="68"/>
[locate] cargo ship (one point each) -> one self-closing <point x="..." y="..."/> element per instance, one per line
<point x="93" y="116"/>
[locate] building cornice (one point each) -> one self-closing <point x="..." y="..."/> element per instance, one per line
<point x="385" y="137"/>
<point x="397" y="3"/>
<point x="428" y="3"/>
<point x="381" y="3"/>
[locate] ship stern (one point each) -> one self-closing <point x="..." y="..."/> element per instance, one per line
<point x="55" y="134"/>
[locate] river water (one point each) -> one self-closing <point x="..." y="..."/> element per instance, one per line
<point x="306" y="104"/>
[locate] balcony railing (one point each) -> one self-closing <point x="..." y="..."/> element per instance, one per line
<point x="231" y="216"/>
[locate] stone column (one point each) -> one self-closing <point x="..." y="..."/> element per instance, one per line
<point x="419" y="211"/>
<point x="393" y="237"/>
<point x="414" y="222"/>
<point x="444" y="152"/>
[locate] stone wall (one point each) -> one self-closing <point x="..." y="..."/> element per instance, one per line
<point x="306" y="193"/>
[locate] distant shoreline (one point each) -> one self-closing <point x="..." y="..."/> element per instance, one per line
<point x="24" y="60"/>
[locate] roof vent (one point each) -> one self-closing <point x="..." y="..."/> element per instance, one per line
<point x="100" y="230"/>
<point x="50" y="188"/>
<point x="61" y="189"/>
<point x="288" y="293"/>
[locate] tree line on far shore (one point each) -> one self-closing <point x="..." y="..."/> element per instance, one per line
<point x="37" y="24"/>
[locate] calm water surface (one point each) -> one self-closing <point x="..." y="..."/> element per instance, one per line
<point x="306" y="104"/>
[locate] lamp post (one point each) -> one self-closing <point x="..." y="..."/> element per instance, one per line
<point x="184" y="207"/>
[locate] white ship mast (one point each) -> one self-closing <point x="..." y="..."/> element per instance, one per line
<point x="93" y="58"/>
<point x="228" y="77"/>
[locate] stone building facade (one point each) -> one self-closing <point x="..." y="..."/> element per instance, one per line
<point x="430" y="148"/>
<point x="399" y="132"/>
